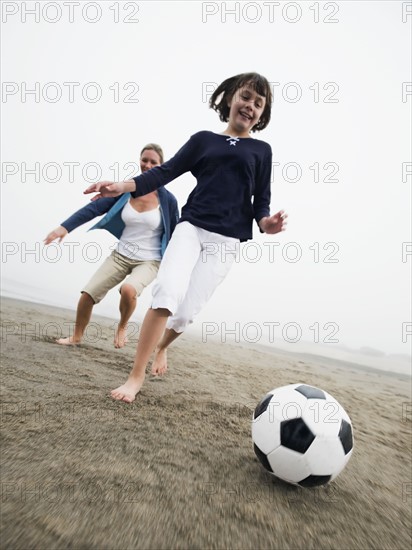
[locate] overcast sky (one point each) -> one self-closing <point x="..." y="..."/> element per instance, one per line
<point x="83" y="94"/>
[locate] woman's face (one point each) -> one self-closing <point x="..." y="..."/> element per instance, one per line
<point x="149" y="159"/>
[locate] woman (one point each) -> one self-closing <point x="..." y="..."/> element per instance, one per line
<point x="143" y="226"/>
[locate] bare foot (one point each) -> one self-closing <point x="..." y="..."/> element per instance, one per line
<point x="128" y="391"/>
<point x="69" y="341"/>
<point x="159" y="366"/>
<point x="120" y="338"/>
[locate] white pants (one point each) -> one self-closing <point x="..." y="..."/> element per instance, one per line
<point x="195" y="262"/>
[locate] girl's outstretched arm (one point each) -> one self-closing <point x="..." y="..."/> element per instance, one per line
<point x="152" y="179"/>
<point x="110" y="188"/>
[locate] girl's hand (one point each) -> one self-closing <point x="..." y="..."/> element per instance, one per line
<point x="58" y="233"/>
<point x="274" y="224"/>
<point x="110" y="188"/>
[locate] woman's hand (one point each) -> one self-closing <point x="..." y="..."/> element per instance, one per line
<point x="58" y="233"/>
<point x="274" y="224"/>
<point x="110" y="188"/>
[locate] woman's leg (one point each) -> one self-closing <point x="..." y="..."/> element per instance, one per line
<point x="83" y="314"/>
<point x="141" y="276"/>
<point x="127" y="305"/>
<point x="112" y="271"/>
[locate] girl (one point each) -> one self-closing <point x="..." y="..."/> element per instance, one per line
<point x="143" y="226"/>
<point x="230" y="169"/>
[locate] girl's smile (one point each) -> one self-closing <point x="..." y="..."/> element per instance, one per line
<point x="246" y="108"/>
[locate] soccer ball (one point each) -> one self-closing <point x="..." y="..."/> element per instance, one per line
<point x="302" y="435"/>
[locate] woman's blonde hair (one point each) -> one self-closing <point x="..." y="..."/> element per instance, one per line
<point x="153" y="147"/>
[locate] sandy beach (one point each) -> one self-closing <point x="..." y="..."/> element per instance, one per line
<point x="176" y="469"/>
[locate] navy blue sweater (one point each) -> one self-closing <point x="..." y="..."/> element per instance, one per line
<point x="229" y="172"/>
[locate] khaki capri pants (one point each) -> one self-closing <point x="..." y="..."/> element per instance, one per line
<point x="115" y="269"/>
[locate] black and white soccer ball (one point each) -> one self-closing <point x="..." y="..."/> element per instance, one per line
<point x="302" y="435"/>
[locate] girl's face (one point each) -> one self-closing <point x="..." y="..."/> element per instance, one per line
<point x="246" y="108"/>
<point x="149" y="159"/>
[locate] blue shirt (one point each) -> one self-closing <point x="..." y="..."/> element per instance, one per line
<point x="113" y="222"/>
<point x="233" y="182"/>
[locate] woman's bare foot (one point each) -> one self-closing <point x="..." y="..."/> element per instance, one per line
<point x="127" y="392"/>
<point x="69" y="341"/>
<point x="120" y="337"/>
<point x="159" y="366"/>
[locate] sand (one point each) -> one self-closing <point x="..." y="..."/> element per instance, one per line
<point x="176" y="468"/>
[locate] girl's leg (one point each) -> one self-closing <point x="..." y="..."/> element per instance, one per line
<point x="83" y="314"/>
<point x="152" y="329"/>
<point x="173" y="279"/>
<point x="159" y="366"/>
<point x="217" y="256"/>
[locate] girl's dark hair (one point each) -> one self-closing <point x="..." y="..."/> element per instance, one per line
<point x="228" y="88"/>
<point x="153" y="147"/>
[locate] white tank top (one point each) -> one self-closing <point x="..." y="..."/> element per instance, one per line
<point x="141" y="238"/>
